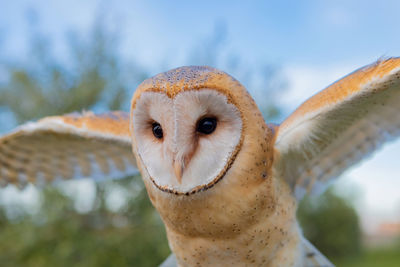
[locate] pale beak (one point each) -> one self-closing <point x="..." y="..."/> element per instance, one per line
<point x="178" y="170"/>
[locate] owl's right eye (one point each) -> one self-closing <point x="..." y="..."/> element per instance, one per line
<point x="157" y="130"/>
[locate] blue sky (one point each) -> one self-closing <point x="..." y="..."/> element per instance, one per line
<point x="289" y="32"/>
<point x="314" y="42"/>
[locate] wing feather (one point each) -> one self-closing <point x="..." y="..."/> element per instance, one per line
<point x="340" y="126"/>
<point x="65" y="147"/>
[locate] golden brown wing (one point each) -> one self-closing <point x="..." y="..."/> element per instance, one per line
<point x="340" y="126"/>
<point x="70" y="146"/>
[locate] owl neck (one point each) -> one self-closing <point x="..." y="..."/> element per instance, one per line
<point x="265" y="233"/>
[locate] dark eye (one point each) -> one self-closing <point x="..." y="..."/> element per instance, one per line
<point x="157" y="130"/>
<point x="207" y="125"/>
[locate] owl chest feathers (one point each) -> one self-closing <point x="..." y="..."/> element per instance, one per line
<point x="233" y="234"/>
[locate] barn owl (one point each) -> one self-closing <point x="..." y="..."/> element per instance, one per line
<point x="225" y="183"/>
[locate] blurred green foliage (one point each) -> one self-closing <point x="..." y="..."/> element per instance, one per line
<point x="95" y="76"/>
<point x="387" y="257"/>
<point x="331" y="224"/>
<point x="58" y="235"/>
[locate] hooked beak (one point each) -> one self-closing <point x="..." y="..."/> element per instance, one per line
<point x="178" y="168"/>
<point x="181" y="160"/>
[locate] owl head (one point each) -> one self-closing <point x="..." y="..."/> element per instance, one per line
<point x="188" y="127"/>
<point x="193" y="130"/>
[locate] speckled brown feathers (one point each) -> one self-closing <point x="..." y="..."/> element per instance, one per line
<point x="115" y="123"/>
<point x="190" y="78"/>
<point x="64" y="147"/>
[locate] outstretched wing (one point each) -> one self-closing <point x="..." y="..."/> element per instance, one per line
<point x="64" y="147"/>
<point x="339" y="126"/>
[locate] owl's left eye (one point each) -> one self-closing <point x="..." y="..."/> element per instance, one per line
<point x="157" y="130"/>
<point x="207" y="125"/>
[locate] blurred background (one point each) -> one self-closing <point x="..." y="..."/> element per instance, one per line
<point x="61" y="56"/>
